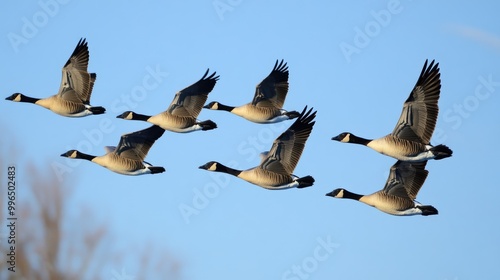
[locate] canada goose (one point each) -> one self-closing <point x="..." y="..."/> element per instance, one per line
<point x="267" y="103"/>
<point x="276" y="168"/>
<point x="73" y="98"/>
<point x="128" y="157"/>
<point x="398" y="195"/>
<point x="410" y="139"/>
<point x="182" y="113"/>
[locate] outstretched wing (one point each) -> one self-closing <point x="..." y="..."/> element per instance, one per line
<point x="287" y="148"/>
<point x="271" y="92"/>
<point x="405" y="179"/>
<point x="77" y="83"/>
<point x="136" y="145"/>
<point x="189" y="101"/>
<point x="420" y="110"/>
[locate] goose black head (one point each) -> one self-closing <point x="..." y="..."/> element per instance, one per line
<point x="71" y="154"/>
<point x="338" y="193"/>
<point x="211" y="166"/>
<point x="128" y="115"/>
<point x="343" y="137"/>
<point x="214" y="105"/>
<point x="16" y="97"/>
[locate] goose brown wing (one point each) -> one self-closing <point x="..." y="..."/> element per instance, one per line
<point x="135" y="145"/>
<point x="420" y="110"/>
<point x="77" y="83"/>
<point x="405" y="179"/>
<point x="271" y="92"/>
<point x="190" y="101"/>
<point x="287" y="148"/>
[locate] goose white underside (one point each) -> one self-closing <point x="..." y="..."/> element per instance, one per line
<point x="427" y="155"/>
<point x="172" y="128"/>
<point x="277" y="119"/>
<point x="80" y="114"/>
<point x="83" y="113"/>
<point x="195" y="127"/>
<point x="137" y="172"/>
<point x="290" y="185"/>
<point x="106" y="162"/>
<point x="242" y="112"/>
<point x="408" y="212"/>
<point x="293" y="184"/>
<point x="380" y="146"/>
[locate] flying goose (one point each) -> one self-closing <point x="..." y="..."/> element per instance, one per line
<point x="267" y="103"/>
<point x="182" y="113"/>
<point x="410" y="139"/>
<point x="398" y="195"/>
<point x="128" y="157"/>
<point x="276" y="168"/>
<point x="73" y="98"/>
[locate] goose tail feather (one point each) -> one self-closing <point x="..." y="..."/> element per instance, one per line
<point x="156" y="169"/>
<point x="305" y="182"/>
<point x="207" y="125"/>
<point x="441" y="151"/>
<point x="292" y="114"/>
<point x="97" y="110"/>
<point x="428" y="210"/>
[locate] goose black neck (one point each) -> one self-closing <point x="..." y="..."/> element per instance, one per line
<point x="85" y="156"/>
<point x="359" y="140"/>
<point x="350" y="195"/>
<point x="140" y="117"/>
<point x="28" y="99"/>
<point x="229" y="170"/>
<point x="225" y="107"/>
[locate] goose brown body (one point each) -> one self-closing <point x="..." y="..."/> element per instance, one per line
<point x="73" y="98"/>
<point x="399" y="193"/>
<point x="128" y="157"/>
<point x="269" y="97"/>
<point x="276" y="168"/>
<point x="410" y="139"/>
<point x="181" y="116"/>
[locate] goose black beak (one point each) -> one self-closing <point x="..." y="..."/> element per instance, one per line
<point x="122" y="116"/>
<point x="204" y="166"/>
<point x="64" y="155"/>
<point x="206" y="106"/>
<point x="336" y="138"/>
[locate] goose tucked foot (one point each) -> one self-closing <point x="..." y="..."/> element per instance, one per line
<point x="305" y="182"/>
<point x="97" y="110"/>
<point x="292" y="114"/>
<point x="427" y="210"/>
<point x="441" y="151"/>
<point x="207" y="125"/>
<point x="156" y="169"/>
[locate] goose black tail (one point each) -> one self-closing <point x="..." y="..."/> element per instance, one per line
<point x="207" y="125"/>
<point x="156" y="169"/>
<point x="305" y="182"/>
<point x="97" y="110"/>
<point x="428" y="210"/>
<point x="292" y="114"/>
<point x="441" y="151"/>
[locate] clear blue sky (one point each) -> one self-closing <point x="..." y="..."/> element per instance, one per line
<point x="353" y="61"/>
